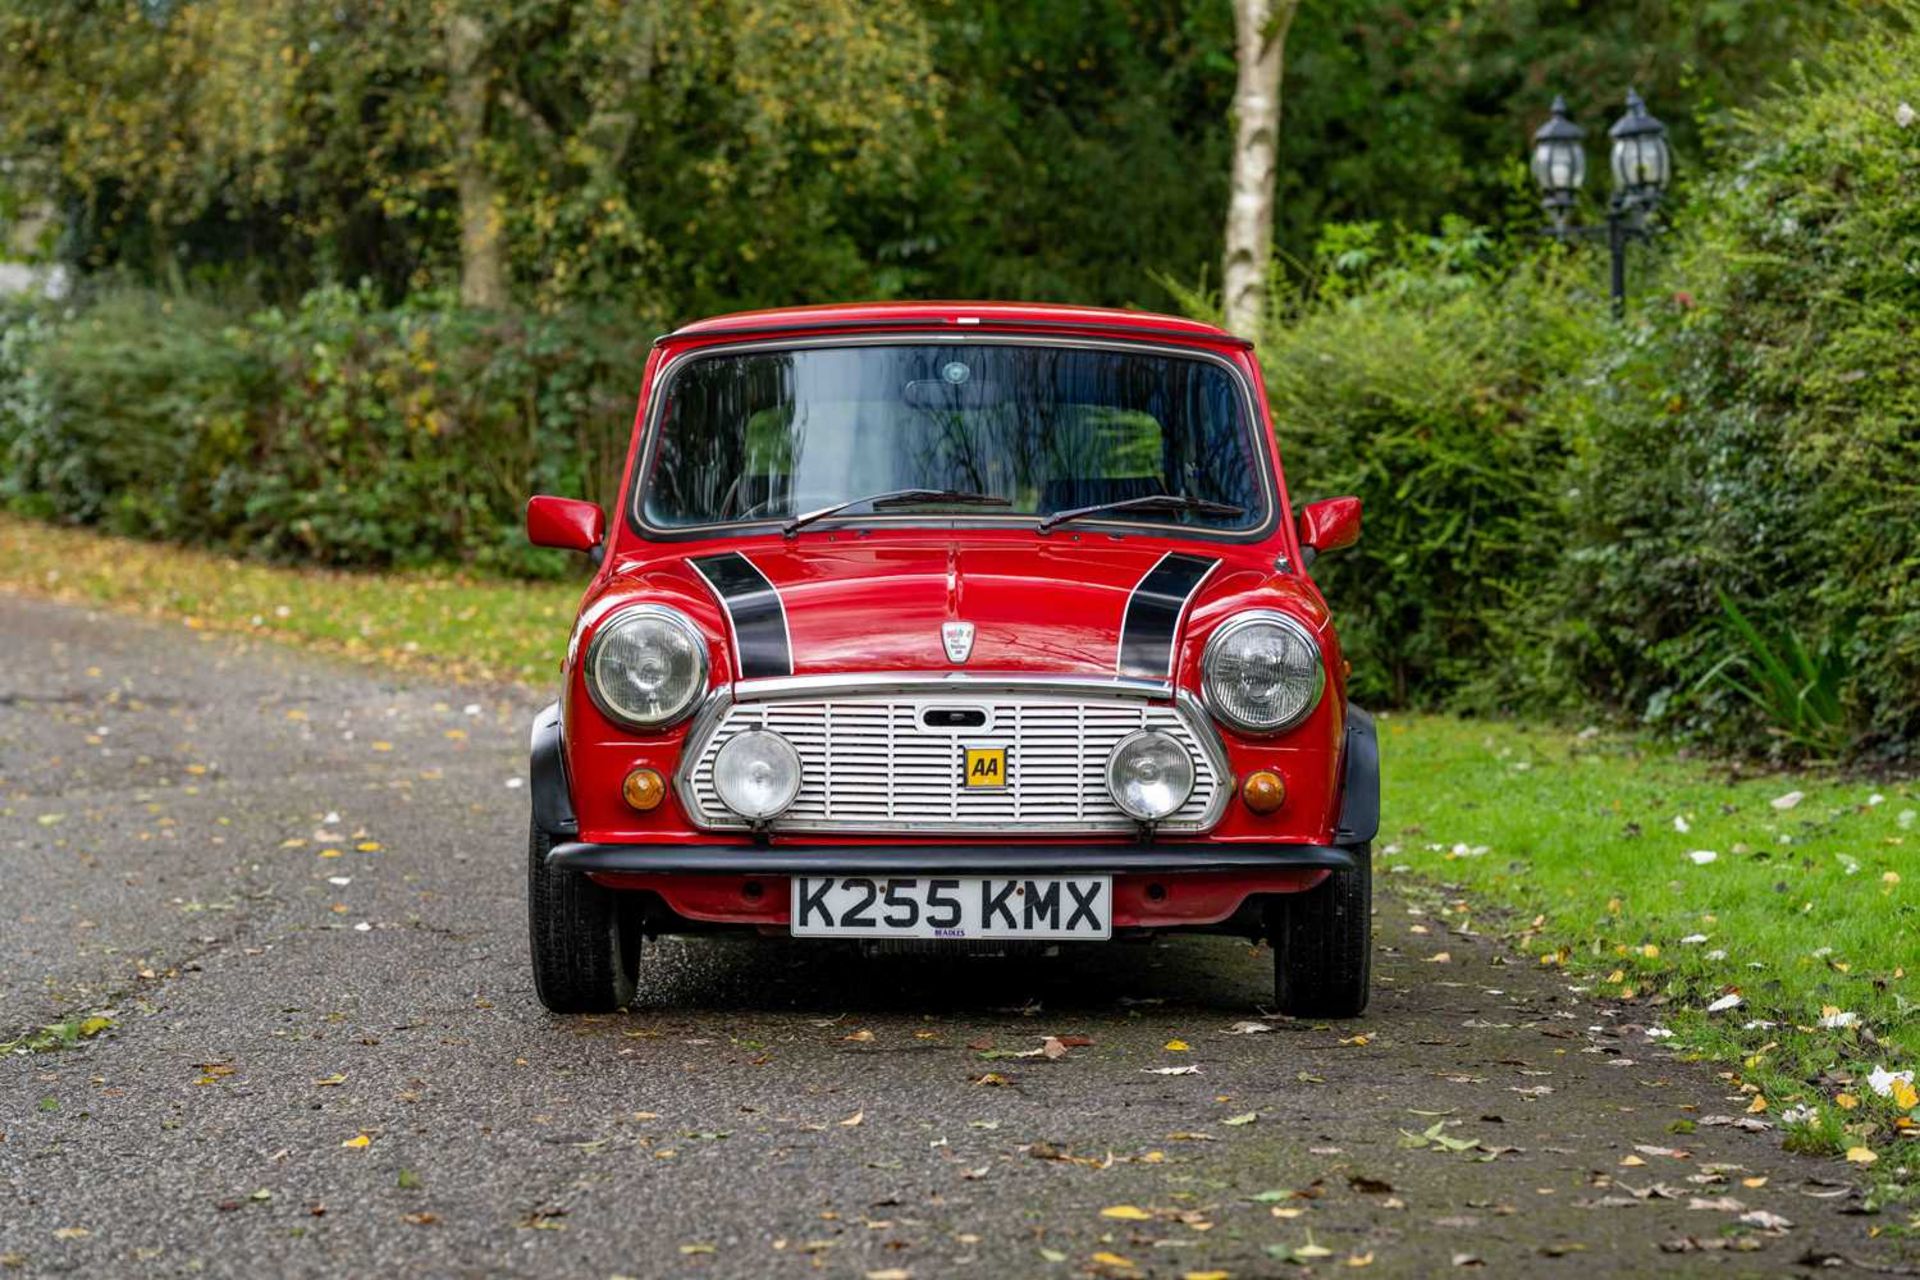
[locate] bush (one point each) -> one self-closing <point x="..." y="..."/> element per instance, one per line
<point x="1760" y="437"/>
<point x="338" y="432"/>
<point x="1408" y="373"/>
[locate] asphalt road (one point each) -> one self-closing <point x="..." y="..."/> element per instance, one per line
<point x="295" y="888"/>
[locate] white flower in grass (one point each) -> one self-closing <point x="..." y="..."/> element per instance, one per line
<point x="1681" y="824"/>
<point x="1881" y="1080"/>
<point x="1693" y="939"/>
<point x="1798" y="1115"/>
<point x="1701" y="857"/>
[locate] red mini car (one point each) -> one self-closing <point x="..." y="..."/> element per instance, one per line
<point x="960" y="623"/>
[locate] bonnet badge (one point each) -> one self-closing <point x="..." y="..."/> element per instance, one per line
<point x="958" y="639"/>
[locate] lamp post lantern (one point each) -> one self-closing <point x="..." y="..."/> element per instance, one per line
<point x="1642" y="164"/>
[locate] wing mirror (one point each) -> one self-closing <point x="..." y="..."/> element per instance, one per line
<point x="566" y="523"/>
<point x="1328" y="526"/>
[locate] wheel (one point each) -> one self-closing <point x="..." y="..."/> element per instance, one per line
<point x="1323" y="944"/>
<point x="586" y="939"/>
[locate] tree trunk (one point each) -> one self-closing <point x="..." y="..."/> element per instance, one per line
<point x="483" y="272"/>
<point x="1260" y="28"/>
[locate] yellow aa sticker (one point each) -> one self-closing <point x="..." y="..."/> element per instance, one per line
<point x="986" y="766"/>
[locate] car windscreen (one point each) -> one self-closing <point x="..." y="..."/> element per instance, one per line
<point x="769" y="434"/>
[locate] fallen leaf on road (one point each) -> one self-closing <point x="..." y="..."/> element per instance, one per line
<point x="1106" y="1259"/>
<point x="71" y="1233"/>
<point x="861" y="1036"/>
<point x="1861" y="1155"/>
<point x="1440" y="957"/>
<point x="1245" y="1118"/>
<point x="1695" y="1244"/>
<point x="1717" y="1204"/>
<point x="327" y="1082"/>
<point x="1176" y="1046"/>
<point x="358" y="1143"/>
<point x="890" y="1273"/>
<point x="1766" y="1221"/>
<point x="1170" y="1071"/>
<point x="1358" y="1040"/>
<point x="1248" y="1028"/>
<point x="1126" y="1213"/>
<point x="853" y="1120"/>
<point x="993" y="1078"/>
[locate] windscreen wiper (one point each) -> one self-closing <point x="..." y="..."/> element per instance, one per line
<point x="895" y="498"/>
<point x="1150" y="502"/>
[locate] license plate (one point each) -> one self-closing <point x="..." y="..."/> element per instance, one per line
<point x="1053" y="907"/>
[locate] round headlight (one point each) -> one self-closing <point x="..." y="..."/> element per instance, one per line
<point x="1262" y="672"/>
<point x="1150" y="775"/>
<point x="757" y="774"/>
<point x="647" y="666"/>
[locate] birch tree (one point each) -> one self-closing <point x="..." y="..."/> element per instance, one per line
<point x="483" y="269"/>
<point x="1260" y="31"/>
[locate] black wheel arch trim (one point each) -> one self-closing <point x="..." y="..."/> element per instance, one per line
<point x="547" y="776"/>
<point x="962" y="859"/>
<point x="1359" y="781"/>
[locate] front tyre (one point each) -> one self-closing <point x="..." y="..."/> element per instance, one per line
<point x="585" y="939"/>
<point x="1323" y="944"/>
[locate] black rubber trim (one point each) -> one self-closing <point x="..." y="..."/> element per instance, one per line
<point x="1151" y="622"/>
<point x="547" y="770"/>
<point x="970" y="859"/>
<point x="1360" y="781"/>
<point x="903" y="324"/>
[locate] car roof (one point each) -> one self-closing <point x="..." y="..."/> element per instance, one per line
<point x="995" y="316"/>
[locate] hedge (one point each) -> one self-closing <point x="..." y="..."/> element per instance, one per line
<point x="338" y="433"/>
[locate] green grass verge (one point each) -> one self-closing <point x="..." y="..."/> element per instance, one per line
<point x="1565" y="844"/>
<point x="1589" y="853"/>
<point x="449" y="624"/>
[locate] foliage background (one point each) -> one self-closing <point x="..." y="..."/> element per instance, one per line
<point x="1564" y="514"/>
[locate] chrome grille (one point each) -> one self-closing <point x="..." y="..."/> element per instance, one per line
<point x="869" y="762"/>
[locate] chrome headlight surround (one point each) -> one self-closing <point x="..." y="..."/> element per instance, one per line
<point x="1297" y="691"/>
<point x="692" y="682"/>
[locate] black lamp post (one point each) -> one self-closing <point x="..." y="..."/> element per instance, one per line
<point x="1642" y="165"/>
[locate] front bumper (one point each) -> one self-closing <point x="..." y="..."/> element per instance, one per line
<point x="929" y="859"/>
<point x="1213" y="888"/>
